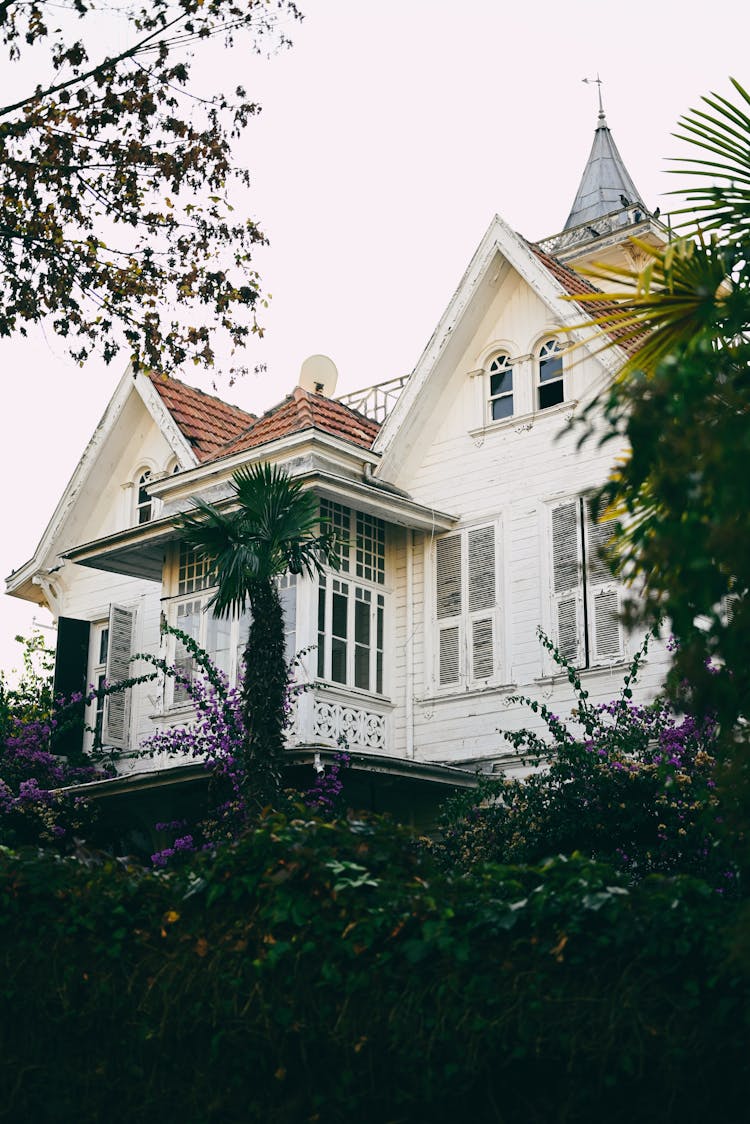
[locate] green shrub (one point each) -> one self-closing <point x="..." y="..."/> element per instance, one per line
<point x="627" y="784"/>
<point x="329" y="971"/>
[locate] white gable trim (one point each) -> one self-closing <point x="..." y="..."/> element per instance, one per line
<point x="153" y="402"/>
<point x="129" y="384"/>
<point x="393" y="441"/>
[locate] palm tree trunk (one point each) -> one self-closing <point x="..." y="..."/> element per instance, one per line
<point x="264" y="688"/>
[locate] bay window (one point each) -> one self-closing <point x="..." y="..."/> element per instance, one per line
<point x="352" y="602"/>
<point x="223" y="638"/>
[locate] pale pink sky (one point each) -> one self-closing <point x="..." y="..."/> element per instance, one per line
<point x="391" y="133"/>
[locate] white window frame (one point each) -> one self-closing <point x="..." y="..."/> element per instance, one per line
<point x="360" y="584"/>
<point x="96" y="676"/>
<point x="460" y="638"/>
<point x="543" y="352"/>
<point x="585" y="598"/>
<point x="144" y="505"/>
<point x="108" y="719"/>
<point x="500" y="363"/>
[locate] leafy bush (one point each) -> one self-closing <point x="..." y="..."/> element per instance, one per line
<point x="329" y="971"/>
<point x="32" y="809"/>
<point x="628" y="784"/>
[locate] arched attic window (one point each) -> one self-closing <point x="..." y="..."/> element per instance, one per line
<point x="144" y="505"/>
<point x="501" y="388"/>
<point x="550" y="387"/>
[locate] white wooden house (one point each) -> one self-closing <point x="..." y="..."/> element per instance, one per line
<point x="459" y="491"/>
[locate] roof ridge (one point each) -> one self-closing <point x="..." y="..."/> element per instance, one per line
<point x="301" y="410"/>
<point x="304" y="408"/>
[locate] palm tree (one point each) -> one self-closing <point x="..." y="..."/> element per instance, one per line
<point x="270" y="526"/>
<point x="682" y="400"/>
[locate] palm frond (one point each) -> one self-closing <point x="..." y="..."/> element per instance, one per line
<point x="724" y="133"/>
<point x="271" y="525"/>
<point x="684" y="289"/>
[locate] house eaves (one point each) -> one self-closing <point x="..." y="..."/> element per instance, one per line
<point x="139" y="551"/>
<point x="425" y="772"/>
<point x="281" y="451"/>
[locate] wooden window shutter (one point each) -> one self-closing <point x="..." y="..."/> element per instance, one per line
<point x="482" y="597"/>
<point x="603" y="592"/>
<point x="481" y="569"/>
<point x="71" y="668"/>
<point x="449" y="655"/>
<point x="448" y="598"/>
<point x="482" y="648"/>
<point x="117" y="706"/>
<point x="567" y="583"/>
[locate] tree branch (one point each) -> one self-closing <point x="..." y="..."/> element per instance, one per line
<point x="78" y="79"/>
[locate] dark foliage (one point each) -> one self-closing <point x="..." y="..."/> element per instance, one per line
<point x="319" y="971"/>
<point x="118" y="177"/>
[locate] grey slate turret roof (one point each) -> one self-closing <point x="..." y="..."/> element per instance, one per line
<point x="605" y="185"/>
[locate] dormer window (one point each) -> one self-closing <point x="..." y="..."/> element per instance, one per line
<point x="144" y="503"/>
<point x="551" y="390"/>
<point x="501" y="388"/>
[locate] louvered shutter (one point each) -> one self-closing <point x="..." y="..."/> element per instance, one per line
<point x="603" y="592"/>
<point x="567" y="584"/>
<point x="449" y="655"/>
<point x="482" y="648"/>
<point x="482" y="600"/>
<point x="448" y="577"/>
<point x="448" y="606"/>
<point x="116" y="725"/>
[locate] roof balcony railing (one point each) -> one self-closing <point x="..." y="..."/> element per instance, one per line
<point x="375" y="402"/>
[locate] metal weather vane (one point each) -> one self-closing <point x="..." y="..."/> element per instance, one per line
<point x="596" y="82"/>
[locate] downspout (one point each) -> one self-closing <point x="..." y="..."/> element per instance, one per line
<point x="409" y="654"/>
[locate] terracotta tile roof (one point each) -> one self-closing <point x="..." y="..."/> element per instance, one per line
<point x="205" y="421"/>
<point x="578" y="286"/>
<point x="303" y="410"/>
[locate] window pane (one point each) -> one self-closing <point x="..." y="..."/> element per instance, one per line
<point x="243" y="631"/>
<point x="322" y="631"/>
<point x="370" y="554"/>
<point x="194" y="571"/>
<point x="502" y="407"/>
<point x="502" y="382"/>
<point x="338" y="519"/>
<point x="99" y="721"/>
<point x="339" y="629"/>
<point x="219" y="641"/>
<point x="338" y="660"/>
<point x="103" y="645"/>
<point x="550" y="394"/>
<point x="362" y="667"/>
<point x="362" y="639"/>
<point x="379" y="644"/>
<point x="338" y="626"/>
<point x="361" y="621"/>
<point x="288" y="595"/>
<point x="550" y="368"/>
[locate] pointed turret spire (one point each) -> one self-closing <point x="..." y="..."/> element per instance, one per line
<point x="605" y="185"/>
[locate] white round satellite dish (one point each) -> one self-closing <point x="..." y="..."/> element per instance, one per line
<point x="318" y="374"/>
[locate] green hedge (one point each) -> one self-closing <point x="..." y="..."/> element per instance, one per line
<point x="329" y="972"/>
